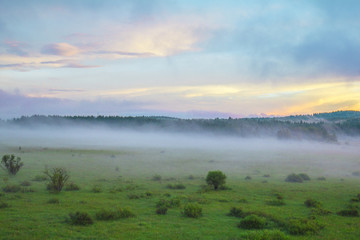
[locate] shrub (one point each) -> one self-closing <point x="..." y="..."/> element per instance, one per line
<point x="156" y="177"/>
<point x="148" y="194"/>
<point x="57" y="179"/>
<point x="125" y="213"/>
<point x="248" y="178"/>
<point x="161" y="210"/>
<point x="11" y="188"/>
<point x="39" y="178"/>
<point x="53" y="201"/>
<point x="304" y="176"/>
<point x="252" y="222"/>
<point x="192" y="210"/>
<point x="276" y="202"/>
<point x="80" y="218"/>
<point x="266" y="175"/>
<point x="215" y="179"/>
<point x="174" y="202"/>
<point x="134" y="196"/>
<point x="303" y="226"/>
<point x="25" y="183"/>
<point x="96" y="189"/>
<point x="264" y="235"/>
<point x="312" y="203"/>
<point x="72" y="187"/>
<point x="321" y="178"/>
<point x="348" y="213"/>
<point x="4" y="205"/>
<point x="235" y="212"/>
<point x="191" y="177"/>
<point x="11" y="163"/>
<point x="279" y="196"/>
<point x="176" y="186"/>
<point x="107" y="215"/>
<point x="319" y="211"/>
<point x="294" y="178"/>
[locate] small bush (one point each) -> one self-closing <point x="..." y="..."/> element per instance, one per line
<point x="266" y="175"/>
<point x="134" y="196"/>
<point x="312" y="203"/>
<point x="319" y="212"/>
<point x="276" y="202"/>
<point x="263" y="235"/>
<point x="107" y="215"/>
<point x="236" y="212"/>
<point x="348" y="213"/>
<point x="252" y="222"/>
<point x="294" y="178"/>
<point x="174" y="202"/>
<point x="215" y="179"/>
<point x="11" y="163"/>
<point x="321" y="179"/>
<point x="148" y="194"/>
<point x="243" y="200"/>
<point x="53" y="201"/>
<point x="80" y="218"/>
<point x="304" y="177"/>
<point x="156" y="177"/>
<point x="72" y="187"/>
<point x="25" y="183"/>
<point x="248" y="178"/>
<point x="303" y="226"/>
<point x="11" y="188"/>
<point x="176" y="186"/>
<point x="192" y="210"/>
<point x="125" y="213"/>
<point x="57" y="179"/>
<point x="4" y="205"/>
<point x="96" y="189"/>
<point x="191" y="177"/>
<point x="161" y="210"/>
<point x="39" y="178"/>
<point x="279" y="196"/>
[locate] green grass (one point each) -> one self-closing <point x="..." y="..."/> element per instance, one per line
<point x="129" y="172"/>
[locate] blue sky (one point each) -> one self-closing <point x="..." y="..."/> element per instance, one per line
<point x="179" y="58"/>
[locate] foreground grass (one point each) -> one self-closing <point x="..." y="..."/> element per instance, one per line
<point x="125" y="180"/>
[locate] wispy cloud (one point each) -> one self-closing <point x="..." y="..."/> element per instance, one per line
<point x="60" y="49"/>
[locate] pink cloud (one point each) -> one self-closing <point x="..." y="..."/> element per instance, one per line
<point x="60" y="49"/>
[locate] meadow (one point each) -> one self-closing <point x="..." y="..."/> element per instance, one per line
<point x="136" y="176"/>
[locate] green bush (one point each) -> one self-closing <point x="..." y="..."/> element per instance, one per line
<point x="4" y="205"/>
<point x="176" y="186"/>
<point x="248" y="178"/>
<point x="236" y="212"/>
<point x="11" y="164"/>
<point x="57" y="179"/>
<point x="161" y="210"/>
<point x="107" y="215"/>
<point x="312" y="203"/>
<point x="125" y="213"/>
<point x="263" y="235"/>
<point x="156" y="177"/>
<point x="192" y="210"/>
<point x="348" y="213"/>
<point x="11" y="188"/>
<point x="321" y="178"/>
<point x="252" y="222"/>
<point x="80" y="218"/>
<point x="294" y="178"/>
<point x="72" y="187"/>
<point x="318" y="211"/>
<point x="215" y="179"/>
<point x="304" y="177"/>
<point x="53" y="201"/>
<point x="303" y="226"/>
<point x="25" y="183"/>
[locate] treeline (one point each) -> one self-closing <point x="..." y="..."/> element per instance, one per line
<point x="281" y="128"/>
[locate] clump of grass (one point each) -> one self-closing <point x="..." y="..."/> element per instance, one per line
<point x="236" y="212"/>
<point x="243" y="200"/>
<point x="96" y="189"/>
<point x="248" y="178"/>
<point x="303" y="226"/>
<point x="279" y="196"/>
<point x="134" y="196"/>
<point x="39" y="178"/>
<point x="11" y="188"/>
<point x="156" y="177"/>
<point x="351" y="212"/>
<point x="25" y="183"/>
<point x="4" y="205"/>
<point x="72" y="187"/>
<point x="312" y="203"/>
<point x="252" y="222"/>
<point x="266" y="175"/>
<point x="321" y="179"/>
<point x="176" y="186"/>
<point x="192" y="210"/>
<point x="276" y="202"/>
<point x="191" y="177"/>
<point x="304" y="177"/>
<point x="108" y="215"/>
<point x="263" y="235"/>
<point x="319" y="212"/>
<point x="53" y="201"/>
<point x="172" y="203"/>
<point x="80" y="218"/>
<point x="148" y="194"/>
<point x="356" y="198"/>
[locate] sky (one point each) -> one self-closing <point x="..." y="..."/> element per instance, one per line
<point x="188" y="59"/>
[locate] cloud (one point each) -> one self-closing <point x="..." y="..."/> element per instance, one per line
<point x="60" y="49"/>
<point x="16" y="47"/>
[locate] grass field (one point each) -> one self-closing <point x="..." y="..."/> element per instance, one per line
<point x="122" y="177"/>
